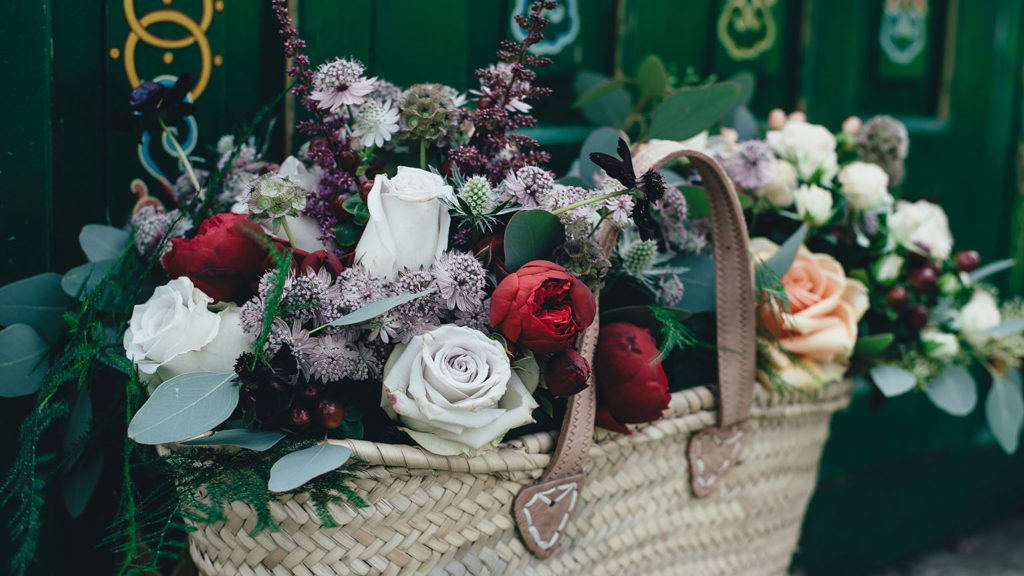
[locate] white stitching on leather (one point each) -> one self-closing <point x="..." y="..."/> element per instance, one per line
<point x="571" y="488"/>
<point x="737" y="446"/>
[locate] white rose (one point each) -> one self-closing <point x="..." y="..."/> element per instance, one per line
<point x="175" y="333"/>
<point x="780" y="191"/>
<point x="981" y="313"/>
<point x="922" y="227"/>
<point x="813" y="204"/>
<point x="812" y="148"/>
<point x="454" y="390"/>
<point x="866" y="186"/>
<point x="408" y="224"/>
<point x="888" y="269"/>
<point x="940" y="345"/>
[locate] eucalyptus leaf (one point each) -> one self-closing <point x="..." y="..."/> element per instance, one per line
<point x="83" y="279"/>
<point x="256" y="440"/>
<point x="37" y="301"/>
<point x="892" y="380"/>
<point x="745" y="124"/>
<point x="990" y="269"/>
<point x="699" y="280"/>
<point x="1011" y="326"/>
<point x="295" y="469"/>
<point x="184" y="407"/>
<point x="873" y="345"/>
<point x="652" y="77"/>
<point x="786" y="254"/>
<point x="372" y="310"/>
<point x="599" y="90"/>
<point x="696" y="202"/>
<point x="610" y="110"/>
<point x="604" y="140"/>
<point x="101" y="242"/>
<point x="954" y="391"/>
<point x="79" y="486"/>
<point x="689" y="111"/>
<point x="1004" y="409"/>
<point x="79" y="423"/>
<point x="23" y="361"/>
<point x="528" y="371"/>
<point x="531" y="235"/>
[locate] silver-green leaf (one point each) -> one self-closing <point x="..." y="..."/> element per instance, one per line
<point x="295" y="469"/>
<point x="256" y="440"/>
<point x="1004" y="409"/>
<point x="1011" y="326"/>
<point x="83" y="279"/>
<point x="37" y="301"/>
<point x="990" y="269"/>
<point x="371" y="311"/>
<point x="689" y="111"/>
<point x="101" y="242"/>
<point x="23" y="361"/>
<point x="79" y="486"/>
<point x="783" y="258"/>
<point x="953" y="391"/>
<point x="892" y="381"/>
<point x="184" y="407"/>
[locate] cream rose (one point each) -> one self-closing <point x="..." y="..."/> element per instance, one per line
<point x="825" y="306"/>
<point x="813" y="204"/>
<point x="922" y="227"/>
<point x="780" y="191"/>
<point x="174" y="332"/>
<point x="408" y="224"/>
<point x="981" y="313"/>
<point x="810" y="147"/>
<point x="455" y="391"/>
<point x="866" y="186"/>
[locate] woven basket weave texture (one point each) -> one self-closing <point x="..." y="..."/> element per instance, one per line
<point x="637" y="515"/>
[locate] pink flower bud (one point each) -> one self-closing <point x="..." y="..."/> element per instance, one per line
<point x="851" y="126"/>
<point x="776" y="119"/>
<point x="730" y="135"/>
<point x="798" y="116"/>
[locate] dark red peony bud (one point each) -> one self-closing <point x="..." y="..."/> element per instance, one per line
<point x="364" y="189"/>
<point x="897" y="297"/>
<point x="917" y="317"/>
<point x="446" y="168"/>
<point x="329" y="413"/>
<point x="632" y="387"/>
<point x="924" y="279"/>
<point x="566" y="373"/>
<point x="300" y="418"/>
<point x="348" y="161"/>
<point x="967" y="260"/>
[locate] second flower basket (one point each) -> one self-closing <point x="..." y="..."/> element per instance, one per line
<point x="719" y="485"/>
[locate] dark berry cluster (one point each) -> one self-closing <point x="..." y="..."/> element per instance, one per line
<point x="922" y="280"/>
<point x="275" y="395"/>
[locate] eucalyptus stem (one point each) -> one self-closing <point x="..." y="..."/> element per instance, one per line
<point x="593" y="200"/>
<point x="423" y="154"/>
<point x="183" y="157"/>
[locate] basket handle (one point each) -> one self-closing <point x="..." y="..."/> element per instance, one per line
<point x="542" y="510"/>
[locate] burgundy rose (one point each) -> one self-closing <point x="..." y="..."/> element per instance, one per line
<point x="630" y="388"/>
<point x="542" y="307"/>
<point x="223" y="259"/>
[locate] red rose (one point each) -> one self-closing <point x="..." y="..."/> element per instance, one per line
<point x="542" y="307"/>
<point x="223" y="259"/>
<point x="630" y="388"/>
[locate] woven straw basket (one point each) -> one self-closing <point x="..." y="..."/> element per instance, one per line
<point x="719" y="485"/>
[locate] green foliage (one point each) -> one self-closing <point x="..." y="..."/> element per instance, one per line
<point x="531" y="235"/>
<point x="689" y="111"/>
<point x="672" y="334"/>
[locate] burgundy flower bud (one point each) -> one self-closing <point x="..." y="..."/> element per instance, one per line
<point x="917" y="317"/>
<point x="897" y="297"/>
<point x="924" y="279"/>
<point x="566" y="373"/>
<point x="329" y="413"/>
<point x="300" y="418"/>
<point x="484" y="103"/>
<point x="967" y="260"/>
<point x="338" y="209"/>
<point x="348" y="161"/>
<point x="364" y="189"/>
<point x="269" y="168"/>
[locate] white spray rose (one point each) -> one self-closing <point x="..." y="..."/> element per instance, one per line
<point x="866" y="186"/>
<point x="922" y="227"/>
<point x="939" y="345"/>
<point x="888" y="269"/>
<point x="813" y="204"/>
<point x="175" y="333"/>
<point x="408" y="224"/>
<point x="979" y="314"/>
<point x="780" y="191"/>
<point x="455" y="391"/>
<point x="810" y="147"/>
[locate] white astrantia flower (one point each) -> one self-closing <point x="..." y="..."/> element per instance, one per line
<point x="376" y="122"/>
<point x="813" y="204"/>
<point x="454" y="391"/>
<point x="921" y="227"/>
<point x="810" y="147"/>
<point x="866" y="186"/>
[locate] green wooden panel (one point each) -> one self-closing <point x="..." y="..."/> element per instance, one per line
<point x="417" y="42"/>
<point x="337" y="29"/>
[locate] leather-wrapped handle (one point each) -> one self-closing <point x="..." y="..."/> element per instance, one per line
<point x="542" y="510"/>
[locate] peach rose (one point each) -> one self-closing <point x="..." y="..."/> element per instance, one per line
<point x="825" y="306"/>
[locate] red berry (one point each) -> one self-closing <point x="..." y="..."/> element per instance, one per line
<point x="299" y="418"/>
<point x="967" y="260"/>
<point x="329" y="413"/>
<point x="309" y="391"/>
<point x="917" y="317"/>
<point x="566" y="373"/>
<point x="338" y="208"/>
<point x="364" y="189"/>
<point x="348" y="161"/>
<point x="924" y="279"/>
<point x="484" y="103"/>
<point x="897" y="297"/>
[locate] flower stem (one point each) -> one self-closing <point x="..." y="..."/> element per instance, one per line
<point x="287" y="230"/>
<point x="593" y="200"/>
<point x="183" y="157"/>
<point x="423" y="154"/>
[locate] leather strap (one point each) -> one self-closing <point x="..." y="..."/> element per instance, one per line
<point x="542" y="510"/>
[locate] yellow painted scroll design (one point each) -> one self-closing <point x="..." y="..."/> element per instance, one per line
<point x="196" y="35"/>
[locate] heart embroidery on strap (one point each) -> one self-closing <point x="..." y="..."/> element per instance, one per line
<point x="712" y="453"/>
<point x="542" y="512"/>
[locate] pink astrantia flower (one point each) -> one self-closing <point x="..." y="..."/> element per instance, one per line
<point x="340" y="82"/>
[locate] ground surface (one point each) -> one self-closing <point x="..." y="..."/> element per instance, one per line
<point x="998" y="551"/>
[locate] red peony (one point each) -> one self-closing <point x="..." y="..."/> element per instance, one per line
<point x="630" y="388"/>
<point x="542" y="307"/>
<point x="223" y="260"/>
